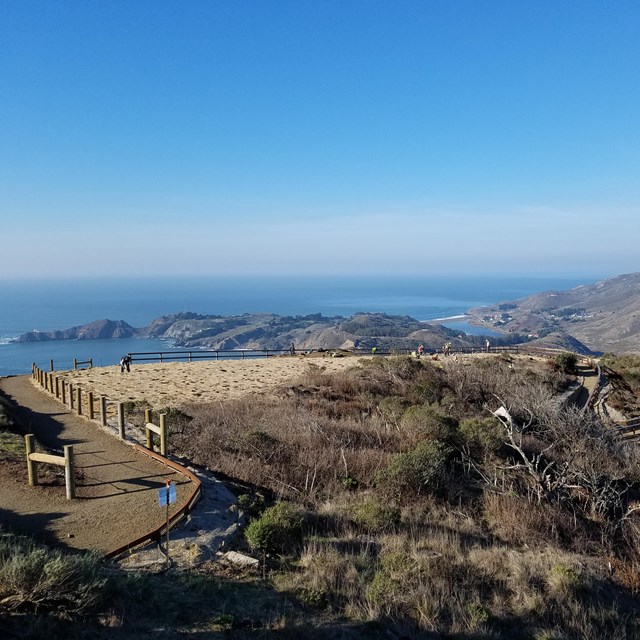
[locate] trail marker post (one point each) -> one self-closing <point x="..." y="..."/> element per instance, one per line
<point x="167" y="496"/>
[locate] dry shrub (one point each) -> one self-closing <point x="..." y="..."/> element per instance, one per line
<point x="331" y="575"/>
<point x="438" y="573"/>
<point x="286" y="447"/>
<point x="520" y="521"/>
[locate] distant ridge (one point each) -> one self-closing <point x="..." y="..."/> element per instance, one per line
<point x="97" y="330"/>
<point x="605" y="315"/>
<point x="271" y="331"/>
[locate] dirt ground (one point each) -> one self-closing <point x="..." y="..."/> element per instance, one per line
<point x="178" y="383"/>
<point x="117" y="486"/>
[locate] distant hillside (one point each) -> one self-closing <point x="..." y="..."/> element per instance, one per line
<point x="97" y="330"/>
<point x="271" y="331"/>
<point x="605" y="316"/>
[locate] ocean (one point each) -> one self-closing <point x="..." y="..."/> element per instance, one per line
<point x="47" y="305"/>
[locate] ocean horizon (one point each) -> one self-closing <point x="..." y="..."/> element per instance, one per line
<point x="48" y="305"/>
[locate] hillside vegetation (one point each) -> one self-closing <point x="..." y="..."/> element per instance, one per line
<point x="401" y="498"/>
<point x="404" y="500"/>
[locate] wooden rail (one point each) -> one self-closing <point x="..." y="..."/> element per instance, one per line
<point x="630" y="427"/>
<point x="77" y="363"/>
<point x="214" y="354"/>
<point x="83" y="403"/>
<point x="185" y="507"/>
<point x="242" y="354"/>
<point x="66" y="461"/>
<point x="160" y="430"/>
<point x="57" y="386"/>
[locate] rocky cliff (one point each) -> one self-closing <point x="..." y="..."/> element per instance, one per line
<point x="97" y="330"/>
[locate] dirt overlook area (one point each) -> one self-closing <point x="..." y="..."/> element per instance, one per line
<point x="116" y="485"/>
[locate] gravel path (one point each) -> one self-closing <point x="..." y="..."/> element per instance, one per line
<point x="116" y="486"/>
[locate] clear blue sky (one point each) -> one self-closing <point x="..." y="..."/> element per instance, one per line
<point x="309" y="136"/>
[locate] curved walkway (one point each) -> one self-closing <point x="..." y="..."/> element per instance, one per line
<point x="116" y="486"/>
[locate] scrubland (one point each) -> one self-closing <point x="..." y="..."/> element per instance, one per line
<point x="389" y="501"/>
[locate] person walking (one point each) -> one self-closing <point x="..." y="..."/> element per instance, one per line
<point x="125" y="363"/>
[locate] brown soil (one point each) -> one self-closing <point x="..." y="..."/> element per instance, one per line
<point x="116" y="486"/>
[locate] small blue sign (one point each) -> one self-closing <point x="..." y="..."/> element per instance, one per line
<point x="167" y="495"/>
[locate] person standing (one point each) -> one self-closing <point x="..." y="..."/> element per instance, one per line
<point x="125" y="363"/>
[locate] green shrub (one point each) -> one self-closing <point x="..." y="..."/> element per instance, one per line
<point x="564" y="580"/>
<point x="428" y="423"/>
<point x="278" y="529"/>
<point x="477" y="615"/>
<point x="421" y="470"/>
<point x="11" y="443"/>
<point x="426" y="391"/>
<point x="392" y="408"/>
<point x="34" y="578"/>
<point x="566" y="362"/>
<point x="481" y="435"/>
<point x="252" y="505"/>
<point x="375" y="515"/>
<point x="395" y="578"/>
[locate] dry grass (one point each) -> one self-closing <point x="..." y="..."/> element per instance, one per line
<point x="477" y="535"/>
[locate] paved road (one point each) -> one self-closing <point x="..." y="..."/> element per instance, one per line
<point x="116" y="485"/>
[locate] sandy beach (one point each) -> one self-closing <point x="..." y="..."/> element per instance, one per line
<point x="178" y="383"/>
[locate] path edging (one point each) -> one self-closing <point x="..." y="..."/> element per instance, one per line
<point x="186" y="506"/>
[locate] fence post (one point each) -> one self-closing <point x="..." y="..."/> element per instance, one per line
<point x="90" y="363"/>
<point x="79" y="400"/>
<point x="32" y="472"/>
<point x="71" y="396"/>
<point x="69" y="475"/>
<point x="64" y="391"/>
<point x="51" y="364"/>
<point x="163" y="434"/>
<point x="147" y="420"/>
<point x="33" y="369"/>
<point x="90" y="405"/>
<point x="103" y="410"/>
<point x="46" y="381"/>
<point x="57" y="383"/>
<point x="121" y="419"/>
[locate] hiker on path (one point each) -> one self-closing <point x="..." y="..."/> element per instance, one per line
<point x="125" y="362"/>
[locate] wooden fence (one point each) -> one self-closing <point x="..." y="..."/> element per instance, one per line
<point x="85" y="403"/>
<point x="242" y="354"/>
<point x="629" y="429"/>
<point x="66" y="461"/>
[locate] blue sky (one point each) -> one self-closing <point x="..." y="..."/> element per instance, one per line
<point x="319" y="137"/>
